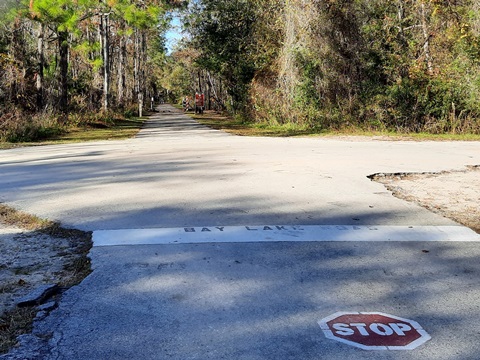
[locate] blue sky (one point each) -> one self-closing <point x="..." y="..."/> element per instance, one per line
<point x="174" y="34"/>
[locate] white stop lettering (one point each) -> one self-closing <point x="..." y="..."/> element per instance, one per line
<point x="381" y="329"/>
<point x="377" y="328"/>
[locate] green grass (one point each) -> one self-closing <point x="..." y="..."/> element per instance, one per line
<point x="11" y="216"/>
<point x="120" y="129"/>
<point x="240" y="127"/>
<point x="117" y="129"/>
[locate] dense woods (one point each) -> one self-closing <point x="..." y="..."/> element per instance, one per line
<point x="72" y="61"/>
<point x="401" y="65"/>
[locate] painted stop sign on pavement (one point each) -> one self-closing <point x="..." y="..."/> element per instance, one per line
<point x="374" y="331"/>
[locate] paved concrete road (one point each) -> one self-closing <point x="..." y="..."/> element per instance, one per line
<point x="177" y="173"/>
<point x="244" y="300"/>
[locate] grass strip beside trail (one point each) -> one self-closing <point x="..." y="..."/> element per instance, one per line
<point x="224" y="122"/>
<point x="13" y="217"/>
<point x="117" y="129"/>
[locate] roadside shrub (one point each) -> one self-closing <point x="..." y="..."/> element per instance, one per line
<point x="16" y="126"/>
<point x="424" y="103"/>
<point x="130" y="111"/>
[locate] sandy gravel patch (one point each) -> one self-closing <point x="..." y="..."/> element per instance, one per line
<point x="31" y="260"/>
<point x="453" y="194"/>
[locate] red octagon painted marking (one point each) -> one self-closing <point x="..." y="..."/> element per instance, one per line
<point x="374" y="331"/>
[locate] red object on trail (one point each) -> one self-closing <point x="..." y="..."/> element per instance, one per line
<point x="199" y="100"/>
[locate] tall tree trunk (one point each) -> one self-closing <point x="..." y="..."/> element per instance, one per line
<point x="426" y="38"/>
<point x="137" y="71"/>
<point x="121" y="70"/>
<point x="401" y="18"/>
<point x="476" y="18"/>
<point x="17" y="52"/>
<point x="63" y="65"/>
<point x="106" y="61"/>
<point x="136" y="66"/>
<point x="140" y="49"/>
<point x="143" y="63"/>
<point x="199" y="78"/>
<point x="209" y="91"/>
<point x="41" y="65"/>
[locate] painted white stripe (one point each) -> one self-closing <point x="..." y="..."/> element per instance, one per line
<point x="277" y="233"/>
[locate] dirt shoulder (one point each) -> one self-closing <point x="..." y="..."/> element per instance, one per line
<point x="452" y="194"/>
<point x="36" y="266"/>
